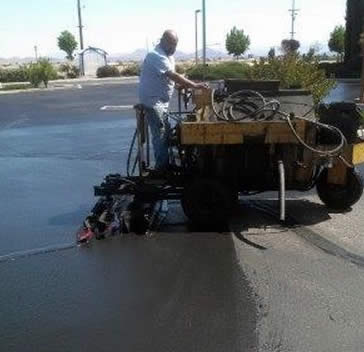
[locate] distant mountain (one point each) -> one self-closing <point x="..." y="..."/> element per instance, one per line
<point x="27" y="60"/>
<point x="16" y="60"/>
<point x="139" y="55"/>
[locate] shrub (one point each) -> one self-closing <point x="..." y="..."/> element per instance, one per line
<point x="131" y="70"/>
<point x="291" y="70"/>
<point x="70" y="70"/>
<point x="294" y="72"/>
<point x="14" y="75"/>
<point x="35" y="75"/>
<point x="42" y="71"/>
<point x="225" y="70"/>
<point x="107" y="71"/>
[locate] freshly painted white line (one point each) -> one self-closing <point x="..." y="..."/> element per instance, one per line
<point x="116" y="107"/>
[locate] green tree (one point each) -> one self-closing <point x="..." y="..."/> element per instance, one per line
<point x="312" y="52"/>
<point x="354" y="26"/>
<point x="271" y="53"/>
<point x="67" y="43"/>
<point x="337" y="41"/>
<point x="290" y="46"/>
<point x="237" y="43"/>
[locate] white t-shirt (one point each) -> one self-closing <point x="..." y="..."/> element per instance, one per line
<point x="155" y="87"/>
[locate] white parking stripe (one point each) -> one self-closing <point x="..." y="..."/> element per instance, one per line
<point x="116" y="107"/>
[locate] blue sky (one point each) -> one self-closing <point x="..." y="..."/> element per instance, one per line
<point x="122" y="26"/>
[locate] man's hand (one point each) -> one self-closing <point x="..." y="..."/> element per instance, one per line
<point x="184" y="82"/>
<point x="201" y="86"/>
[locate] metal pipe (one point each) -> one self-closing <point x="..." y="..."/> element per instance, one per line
<point x="180" y="102"/>
<point x="147" y="138"/>
<point x="282" y="191"/>
<point x="140" y="136"/>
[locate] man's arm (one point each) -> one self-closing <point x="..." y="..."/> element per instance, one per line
<point x="184" y="82"/>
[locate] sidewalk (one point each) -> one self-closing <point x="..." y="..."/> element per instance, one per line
<point x="75" y="83"/>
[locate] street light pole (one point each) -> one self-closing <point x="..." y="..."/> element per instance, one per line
<point x="81" y="36"/>
<point x="294" y="12"/>
<point x="36" y="53"/>
<point x="203" y="39"/>
<point x="204" y="33"/>
<point x="196" y="35"/>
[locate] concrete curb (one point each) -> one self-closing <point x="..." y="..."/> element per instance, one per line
<point x="94" y="79"/>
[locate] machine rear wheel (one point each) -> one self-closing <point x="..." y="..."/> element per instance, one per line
<point x="340" y="197"/>
<point x="207" y="201"/>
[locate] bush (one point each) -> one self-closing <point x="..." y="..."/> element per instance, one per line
<point x="182" y="68"/>
<point x="35" y="75"/>
<point x="107" y="71"/>
<point x="70" y="70"/>
<point x="223" y="70"/>
<point x="42" y="71"/>
<point x="291" y="70"/>
<point x="294" y="72"/>
<point x="131" y="70"/>
<point x="14" y="75"/>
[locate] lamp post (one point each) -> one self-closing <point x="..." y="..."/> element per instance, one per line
<point x="204" y="34"/>
<point x="196" y="35"/>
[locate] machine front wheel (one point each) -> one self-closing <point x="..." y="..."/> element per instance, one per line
<point x="207" y="201"/>
<point x="340" y="197"/>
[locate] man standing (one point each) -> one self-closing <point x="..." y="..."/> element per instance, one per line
<point x="157" y="81"/>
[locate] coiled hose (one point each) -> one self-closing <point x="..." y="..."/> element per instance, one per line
<point x="132" y="144"/>
<point x="252" y="105"/>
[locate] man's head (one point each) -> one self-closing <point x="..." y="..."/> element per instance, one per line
<point x="169" y="42"/>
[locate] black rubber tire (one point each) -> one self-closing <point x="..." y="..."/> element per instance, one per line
<point x="138" y="223"/>
<point x="340" y="197"/>
<point x="207" y="201"/>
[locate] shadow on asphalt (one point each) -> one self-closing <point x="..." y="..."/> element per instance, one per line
<point x="257" y="214"/>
